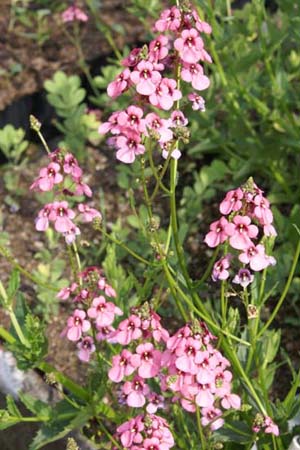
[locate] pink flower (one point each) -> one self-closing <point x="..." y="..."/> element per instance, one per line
<point x="107" y="288"/>
<point x="106" y="334"/>
<point x="77" y="325"/>
<point x="231" y="401"/>
<point x="131" y="118"/>
<point x="62" y="216"/>
<point x="82" y="188"/>
<point x="71" y="166"/>
<point x="166" y="94"/>
<point x="129" y="330"/>
<point x="86" y="348"/>
<point x="243" y="277"/>
<point x="271" y="427"/>
<point x="189" y="46"/>
<point x="155" y="402"/>
<point x="209" y="415"/>
<point x="161" y="126"/>
<point x="256" y="257"/>
<point x="133" y="58"/>
<point x="65" y="292"/>
<point x="145" y="78"/>
<point x="198" y="102"/>
<point x="220" y="271"/>
<point x="219" y="232"/>
<point x="88" y="213"/>
<point x="130" y="432"/>
<point x="170" y="19"/>
<point x="201" y="26"/>
<point x="121" y="366"/>
<point x="147" y="360"/>
<point x="242" y="232"/>
<point x="112" y="125"/>
<point x="129" y="146"/>
<point x="70" y="235"/>
<point x="232" y="201"/>
<point x="136" y="392"/>
<point x="178" y="119"/>
<point x="158" y="48"/>
<point x="104" y="312"/>
<point x="262" y="210"/>
<point x="120" y="84"/>
<point x="74" y="13"/>
<point x="48" y="177"/>
<point x="42" y="221"/>
<point x="194" y="74"/>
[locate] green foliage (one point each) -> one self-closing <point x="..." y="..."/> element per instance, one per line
<point x="67" y="96"/>
<point x="33" y="349"/>
<point x="12" y="143"/>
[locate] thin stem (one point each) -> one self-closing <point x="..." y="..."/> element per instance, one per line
<point x="5" y="253"/>
<point x="284" y="293"/>
<point x="46" y="147"/>
<point x="154" y="171"/>
<point x="200" y="430"/>
<point x="162" y="174"/>
<point x="124" y="246"/>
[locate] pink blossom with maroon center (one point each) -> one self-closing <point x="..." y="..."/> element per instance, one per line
<point x="207" y="364"/>
<point x="106" y="334"/>
<point x="219" y="232"/>
<point x="158" y="48"/>
<point x="170" y="19"/>
<point x="132" y="118"/>
<point x="121" y="366"/>
<point x="111" y="125"/>
<point x="166" y="94"/>
<point x="70" y="235"/>
<point x="133" y="58"/>
<point x="120" y="84"/>
<point x="42" y="221"/>
<point x="198" y="102"/>
<point x="242" y="232"/>
<point x="146" y="360"/>
<point x="129" y="147"/>
<point x="104" y="312"/>
<point x="48" y="177"/>
<point x="220" y="271"/>
<point x="155" y="402"/>
<point x="62" y="216"/>
<point x="82" y="188"/>
<point x="71" y="166"/>
<point x="186" y="355"/>
<point x="136" y="392"/>
<point x="201" y="26"/>
<point x="204" y="398"/>
<point x="232" y="201"/>
<point x="130" y="432"/>
<point x="244" y="277"/>
<point x="189" y="46"/>
<point x="129" y="330"/>
<point x="88" y="213"/>
<point x="256" y="257"/>
<point x="209" y="417"/>
<point x="86" y="348"/>
<point x="178" y="119"/>
<point x="82" y="296"/>
<point x="145" y="78"/>
<point x="65" y="292"/>
<point x="194" y="74"/>
<point x="161" y="126"/>
<point x="76" y="325"/>
<point x="262" y="210"/>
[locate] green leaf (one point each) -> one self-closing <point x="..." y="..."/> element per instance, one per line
<point x="36" y="406"/>
<point x="12" y="407"/>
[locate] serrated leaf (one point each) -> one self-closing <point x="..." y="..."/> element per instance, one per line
<point x="12" y="407"/>
<point x="36" y="406"/>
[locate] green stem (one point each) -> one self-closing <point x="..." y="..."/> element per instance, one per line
<point x="284" y="293"/>
<point x="46" y="147"/>
<point x="5" y="253"/>
<point x="200" y="430"/>
<point x="154" y="171"/>
<point x="124" y="246"/>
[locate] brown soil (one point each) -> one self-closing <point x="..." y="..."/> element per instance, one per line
<point x="26" y="63"/>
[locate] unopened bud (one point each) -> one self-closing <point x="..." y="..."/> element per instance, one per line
<point x="154" y="224"/>
<point x="245" y="407"/>
<point x="218" y="446"/>
<point x="97" y="223"/>
<point x="252" y="312"/>
<point x="35" y="124"/>
<point x="50" y="379"/>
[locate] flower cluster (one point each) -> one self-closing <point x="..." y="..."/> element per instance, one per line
<point x="73" y="14"/>
<point x="186" y="364"/>
<point x="63" y="176"/>
<point x="178" y="49"/>
<point x="145" y="432"/>
<point x="248" y="225"/>
<point x="265" y="424"/>
<point x="94" y="310"/>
